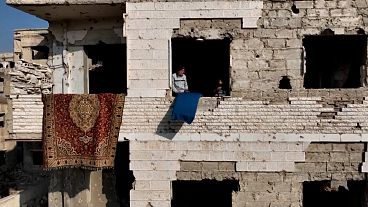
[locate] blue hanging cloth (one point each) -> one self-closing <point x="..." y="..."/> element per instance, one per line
<point x="185" y="107"/>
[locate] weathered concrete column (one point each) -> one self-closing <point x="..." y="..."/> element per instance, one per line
<point x="73" y="187"/>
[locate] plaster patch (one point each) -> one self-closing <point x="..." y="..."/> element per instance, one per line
<point x="75" y="35"/>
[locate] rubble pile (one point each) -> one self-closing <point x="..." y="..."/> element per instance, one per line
<point x="30" y="78"/>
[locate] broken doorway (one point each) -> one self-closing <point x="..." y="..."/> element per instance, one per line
<point x="205" y="61"/>
<point x="203" y="193"/>
<point x="335" y="61"/>
<point x="107" y="68"/>
<point x="320" y="194"/>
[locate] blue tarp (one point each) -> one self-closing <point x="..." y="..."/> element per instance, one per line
<point x="185" y="107"/>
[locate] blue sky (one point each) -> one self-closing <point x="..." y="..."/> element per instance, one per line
<point x="11" y="19"/>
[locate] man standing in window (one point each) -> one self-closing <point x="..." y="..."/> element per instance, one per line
<point x="179" y="81"/>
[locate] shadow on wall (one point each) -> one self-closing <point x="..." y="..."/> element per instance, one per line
<point x="20" y="185"/>
<point x="169" y="128"/>
<point x="116" y="183"/>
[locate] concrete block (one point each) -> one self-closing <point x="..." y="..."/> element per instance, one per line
<point x="364" y="167"/>
<point x="241" y="166"/>
<point x="295" y="156"/>
<point x="276" y="43"/>
<point x="145" y="83"/>
<point x="261" y="156"/>
<point x="286" y="166"/>
<point x="160" y="185"/>
<point x="142" y="185"/>
<point x="278" y="156"/>
<point x="154" y="74"/>
<point x="216" y="156"/>
<point x="330" y="137"/>
<point x="147" y="64"/>
<point x="158" y="44"/>
<point x="150" y="203"/>
<point x="226" y="166"/>
<point x="351" y="137"/>
<point x="155" y="34"/>
<point x="195" y="14"/>
<point x="339" y="157"/>
<point x="190" y="166"/>
<point x="288" y="54"/>
<point x="294" y="64"/>
<point x="154" y="165"/>
<point x="304" y="4"/>
<point x="145" y="195"/>
<point x="256" y="166"/>
<point x="145" y="24"/>
<point x="210" y="166"/>
<point x="360" y="3"/>
<point x="229" y="156"/>
<point x="140" y="6"/>
<point x="249" y="22"/>
<point x="197" y="156"/>
<point x="155" y="175"/>
<point x="285" y="33"/>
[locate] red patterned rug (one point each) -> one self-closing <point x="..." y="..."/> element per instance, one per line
<point x="81" y="130"/>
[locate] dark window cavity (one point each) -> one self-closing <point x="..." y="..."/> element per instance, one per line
<point x="107" y="73"/>
<point x="335" y="61"/>
<point x="203" y="193"/>
<point x="206" y="64"/>
<point x="322" y="194"/>
<point x="40" y="52"/>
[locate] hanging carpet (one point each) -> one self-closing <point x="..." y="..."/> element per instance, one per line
<point x="81" y="130"/>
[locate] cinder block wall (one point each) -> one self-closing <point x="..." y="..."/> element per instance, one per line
<point x="218" y="161"/>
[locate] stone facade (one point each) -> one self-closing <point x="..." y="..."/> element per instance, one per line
<point x="270" y="140"/>
<point x="32" y="45"/>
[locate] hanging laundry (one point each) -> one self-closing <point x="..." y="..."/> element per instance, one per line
<point x="185" y="107"/>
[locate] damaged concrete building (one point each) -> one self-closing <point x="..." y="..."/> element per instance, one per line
<point x="291" y="131"/>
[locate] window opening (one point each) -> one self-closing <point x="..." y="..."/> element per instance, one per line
<point x="107" y="71"/>
<point x="2" y="158"/>
<point x="205" y="62"/>
<point x="37" y="157"/>
<point x="123" y="175"/>
<point x="294" y="9"/>
<point x="322" y="194"/>
<point x="334" y="61"/>
<point x="12" y="64"/>
<point x="40" y="52"/>
<point x="203" y="193"/>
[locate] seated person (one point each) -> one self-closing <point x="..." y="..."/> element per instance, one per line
<point x="179" y="81"/>
<point x="219" y="91"/>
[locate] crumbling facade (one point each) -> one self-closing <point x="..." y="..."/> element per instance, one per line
<point x="292" y="127"/>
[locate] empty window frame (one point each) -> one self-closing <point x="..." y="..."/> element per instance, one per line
<point x="2" y="158"/>
<point x="320" y="194"/>
<point x="335" y="61"/>
<point x="40" y="52"/>
<point x="205" y="61"/>
<point x="203" y="193"/>
<point x="37" y="157"/>
<point x="107" y="71"/>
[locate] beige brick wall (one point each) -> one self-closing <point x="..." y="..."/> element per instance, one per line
<point x="233" y="119"/>
<point x="337" y="162"/>
<point x="149" y="28"/>
<point x="156" y="163"/>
